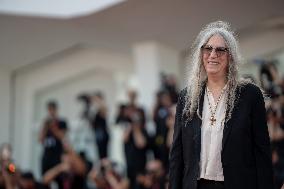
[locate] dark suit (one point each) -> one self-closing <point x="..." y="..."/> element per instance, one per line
<point x="245" y="155"/>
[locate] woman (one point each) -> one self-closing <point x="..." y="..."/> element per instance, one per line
<point x="220" y="135"/>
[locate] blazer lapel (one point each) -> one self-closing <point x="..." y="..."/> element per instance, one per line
<point x="228" y="124"/>
<point x="197" y="124"/>
<point x="226" y="132"/>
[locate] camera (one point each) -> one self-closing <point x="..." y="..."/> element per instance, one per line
<point x="11" y="168"/>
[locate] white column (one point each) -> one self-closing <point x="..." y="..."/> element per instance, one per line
<point x="5" y="85"/>
<point x="151" y="59"/>
<point x="280" y="59"/>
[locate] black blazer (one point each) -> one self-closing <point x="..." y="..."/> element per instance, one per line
<point x="245" y="155"/>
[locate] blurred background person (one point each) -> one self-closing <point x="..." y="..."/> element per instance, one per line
<point x="81" y="135"/>
<point x="162" y="113"/>
<point x="135" y="140"/>
<point x="27" y="181"/>
<point x="154" y="177"/>
<point x="70" y="173"/>
<point x="9" y="174"/>
<point x="170" y="124"/>
<point x="278" y="166"/>
<point x="122" y="117"/>
<point x="269" y="79"/>
<point x="51" y="137"/>
<point x="99" y="124"/>
<point x="169" y="84"/>
<point x="107" y="176"/>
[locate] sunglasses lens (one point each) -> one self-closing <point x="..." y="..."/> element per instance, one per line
<point x="220" y="51"/>
<point x="207" y="50"/>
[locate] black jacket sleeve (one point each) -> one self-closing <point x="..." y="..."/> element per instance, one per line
<point x="176" y="153"/>
<point x="261" y="141"/>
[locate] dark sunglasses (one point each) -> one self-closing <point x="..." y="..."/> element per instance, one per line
<point x="220" y="51"/>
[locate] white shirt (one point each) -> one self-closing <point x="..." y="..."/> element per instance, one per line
<point x="211" y="138"/>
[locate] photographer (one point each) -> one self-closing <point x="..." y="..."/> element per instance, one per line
<point x="27" y="181"/>
<point x="154" y="178"/>
<point x="106" y="177"/>
<point x="70" y="173"/>
<point x="8" y="175"/>
<point x="99" y="124"/>
<point x="51" y="136"/>
<point x="135" y="139"/>
<point x="162" y="113"/>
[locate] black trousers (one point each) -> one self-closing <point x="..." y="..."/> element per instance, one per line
<point x="210" y="184"/>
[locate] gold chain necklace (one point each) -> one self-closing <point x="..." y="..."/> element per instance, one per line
<point x="213" y="112"/>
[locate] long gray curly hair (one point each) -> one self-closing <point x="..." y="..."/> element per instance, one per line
<point x="197" y="75"/>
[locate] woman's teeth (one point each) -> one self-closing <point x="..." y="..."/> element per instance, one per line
<point x="213" y="63"/>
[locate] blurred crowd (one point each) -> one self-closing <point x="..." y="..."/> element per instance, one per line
<point x="63" y="166"/>
<point x="273" y="85"/>
<point x="69" y="165"/>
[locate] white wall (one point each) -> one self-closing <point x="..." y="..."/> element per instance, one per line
<point x="5" y="100"/>
<point x="81" y="70"/>
<point x="65" y="93"/>
<point x="151" y="59"/>
<point x="169" y="59"/>
<point x="280" y="59"/>
<point x="262" y="44"/>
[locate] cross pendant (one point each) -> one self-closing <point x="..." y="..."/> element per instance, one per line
<point x="212" y="119"/>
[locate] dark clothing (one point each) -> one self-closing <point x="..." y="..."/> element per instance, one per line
<point x="161" y="150"/>
<point x="36" y="186"/>
<point x="245" y="155"/>
<point x="69" y="181"/>
<point x="53" y="148"/>
<point x="135" y="158"/>
<point x="160" y="119"/>
<point x="41" y="186"/>
<point x="137" y="115"/>
<point x="279" y="173"/>
<point x="173" y="93"/>
<point x="209" y="184"/>
<point x="101" y="134"/>
<point x="157" y="184"/>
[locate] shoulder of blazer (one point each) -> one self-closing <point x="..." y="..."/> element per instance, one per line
<point x="250" y="89"/>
